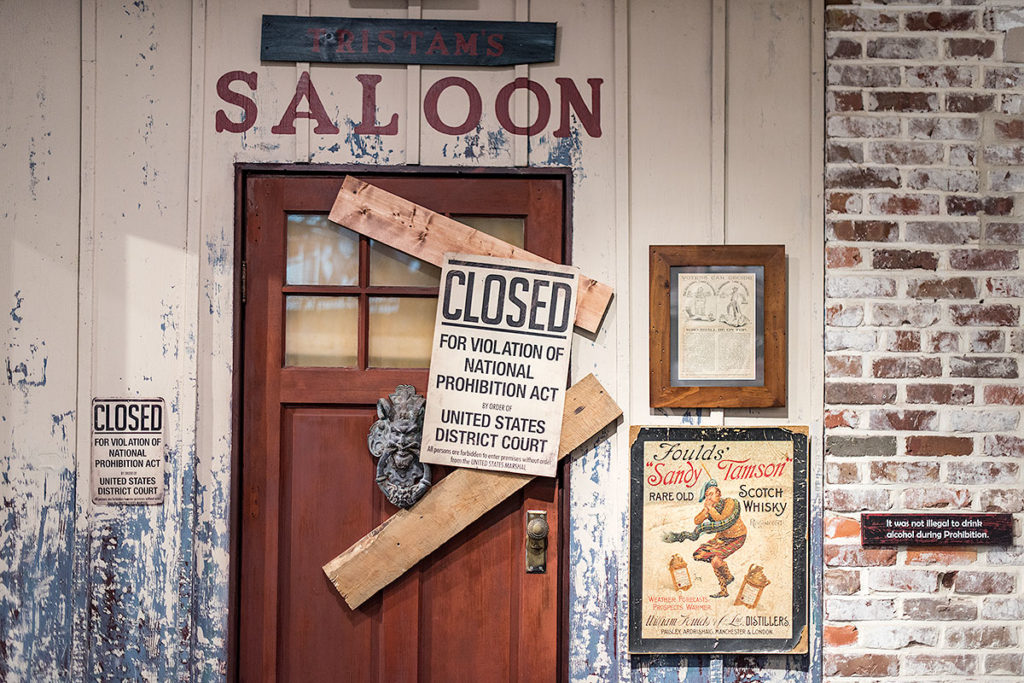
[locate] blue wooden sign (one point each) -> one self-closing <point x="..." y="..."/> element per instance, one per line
<point x="391" y="41"/>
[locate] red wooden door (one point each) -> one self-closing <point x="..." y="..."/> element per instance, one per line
<point x="329" y="315"/>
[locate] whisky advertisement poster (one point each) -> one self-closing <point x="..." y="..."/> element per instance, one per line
<point x="499" y="364"/>
<point x="718" y="540"/>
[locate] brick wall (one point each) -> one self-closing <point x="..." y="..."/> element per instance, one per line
<point x="924" y="345"/>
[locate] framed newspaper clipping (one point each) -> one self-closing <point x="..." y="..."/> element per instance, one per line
<point x="718" y="326"/>
<point x="718" y="540"/>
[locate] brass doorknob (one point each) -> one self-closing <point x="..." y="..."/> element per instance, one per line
<point x="536" y="541"/>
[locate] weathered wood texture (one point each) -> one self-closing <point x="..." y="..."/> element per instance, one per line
<point x="427" y="235"/>
<point x="454" y="503"/>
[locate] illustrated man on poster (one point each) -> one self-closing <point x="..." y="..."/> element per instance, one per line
<point x="720" y="516"/>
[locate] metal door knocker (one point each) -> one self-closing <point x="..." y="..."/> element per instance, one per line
<point x="394" y="439"/>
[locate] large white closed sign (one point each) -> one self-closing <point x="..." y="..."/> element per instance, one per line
<point x="499" y="364"/>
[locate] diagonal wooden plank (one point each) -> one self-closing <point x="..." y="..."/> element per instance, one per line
<point x="454" y="503"/>
<point x="428" y="236"/>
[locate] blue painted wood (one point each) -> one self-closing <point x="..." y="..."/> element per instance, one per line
<point x="406" y="41"/>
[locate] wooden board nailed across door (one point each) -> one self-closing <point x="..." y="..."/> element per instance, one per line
<point x="331" y="324"/>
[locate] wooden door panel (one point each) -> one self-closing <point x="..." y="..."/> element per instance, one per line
<point x="469" y="612"/>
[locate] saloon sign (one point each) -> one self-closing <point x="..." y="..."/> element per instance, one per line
<point x="238" y="89"/>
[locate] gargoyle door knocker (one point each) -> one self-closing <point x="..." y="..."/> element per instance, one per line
<point x="394" y="439"/>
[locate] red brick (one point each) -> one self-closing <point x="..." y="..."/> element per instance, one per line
<point x="984" y="315"/>
<point x="903" y="204"/>
<point x="837" y="527"/>
<point x="844" y="315"/>
<point x="1004" y="77"/>
<point x="940" y="21"/>
<point x="898" y="315"/>
<point x="893" y="472"/>
<point x="942" y="555"/>
<point x="864" y="231"/>
<point x="1002" y="500"/>
<point x="1004" y="155"/>
<point x="904" y="580"/>
<point x="1005" y="663"/>
<point x="972" y="206"/>
<point x="906" y="153"/>
<point x="943" y="342"/>
<point x="862" y="177"/>
<point x="859" y="20"/>
<point x="837" y="636"/>
<point x="857" y="500"/>
<point x="975" y="366"/>
<point x="845" y="202"/>
<point x="904" y="259"/>
<point x="970" y="47"/>
<point x="861" y="665"/>
<point x="936" y="232"/>
<point x="982" y="472"/>
<point x="1004" y="445"/>
<point x="855" y="556"/>
<point x="1004" y="395"/>
<point x="936" y="497"/>
<point x="962" y="665"/>
<point x="843" y="366"/>
<point x="1008" y="287"/>
<point x="905" y="420"/>
<point x="860" y="609"/>
<point x="986" y="341"/>
<point x="984" y="583"/>
<point x="841" y="418"/>
<point x="1005" y="233"/>
<point x="838" y="582"/>
<point x="910" y="102"/>
<point x="903" y="341"/>
<point x="842" y="473"/>
<point x="963" y="103"/>
<point x="859" y="126"/>
<point x="948" y="288"/>
<point x="943" y="128"/>
<point x="947" y="180"/>
<point x="859" y="394"/>
<point x="939" y="445"/>
<point x="842" y="257"/>
<point x="980" y="637"/>
<point x="844" y="101"/>
<point x="1010" y="130"/>
<point x="902" y="47"/>
<point x="983" y="259"/>
<point x="943" y="394"/>
<point x="861" y="76"/>
<point x="903" y="366"/>
<point x="838" y="152"/>
<point x="945" y="76"/>
<point x="842" y="48"/>
<point x="940" y="609"/>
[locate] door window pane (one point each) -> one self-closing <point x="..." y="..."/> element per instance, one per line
<point x="321" y="331"/>
<point x="509" y="229"/>
<point x="391" y="267"/>
<point x="321" y="252"/>
<point x="401" y="331"/>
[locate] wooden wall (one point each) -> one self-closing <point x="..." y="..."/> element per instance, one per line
<point x="118" y="228"/>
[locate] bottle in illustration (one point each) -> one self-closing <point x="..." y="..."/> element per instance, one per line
<point x="720" y="516"/>
<point x="680" y="573"/>
<point x="736" y="296"/>
<point x="753" y="585"/>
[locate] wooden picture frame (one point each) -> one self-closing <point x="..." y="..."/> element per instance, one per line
<point x="718" y="326"/>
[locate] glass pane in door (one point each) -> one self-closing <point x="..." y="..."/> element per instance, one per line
<point x="321" y="252"/>
<point x="401" y="331"/>
<point x="321" y="331"/>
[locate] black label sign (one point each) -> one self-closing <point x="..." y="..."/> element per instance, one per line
<point x="879" y="529"/>
<point x="390" y="41"/>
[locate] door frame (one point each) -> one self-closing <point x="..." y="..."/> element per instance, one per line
<point x="245" y="171"/>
